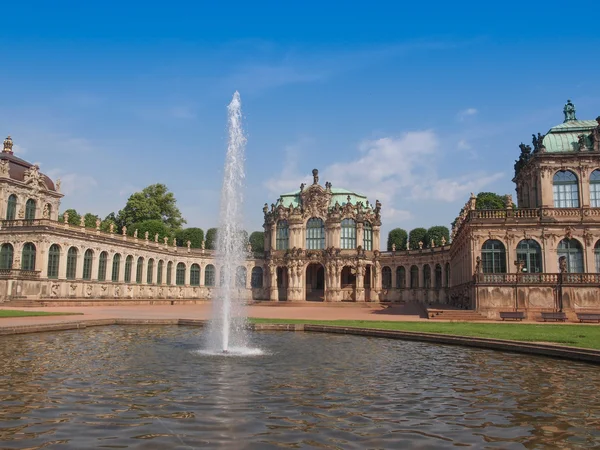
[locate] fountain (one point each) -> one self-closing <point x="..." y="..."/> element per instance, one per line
<point x="227" y="330"/>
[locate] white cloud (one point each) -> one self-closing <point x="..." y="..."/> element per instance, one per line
<point x="463" y="144"/>
<point x="289" y="179"/>
<point x="73" y="183"/>
<point x="18" y="150"/>
<point x="462" y="115"/>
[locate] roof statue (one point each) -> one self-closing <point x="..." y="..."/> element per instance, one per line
<point x="315" y="173"/>
<point x="8" y="145"/>
<point x="569" y="111"/>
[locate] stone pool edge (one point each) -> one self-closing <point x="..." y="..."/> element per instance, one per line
<point x="556" y="351"/>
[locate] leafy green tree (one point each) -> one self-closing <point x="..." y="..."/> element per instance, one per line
<point x="105" y="226"/>
<point x="90" y="220"/>
<point x="257" y="241"/>
<point x="152" y="227"/>
<point x="74" y="217"/>
<point x="436" y="233"/>
<point x="417" y="235"/>
<point x="154" y="202"/>
<point x="397" y="236"/>
<point x="490" y="200"/>
<point x="211" y="238"/>
<point x="194" y="235"/>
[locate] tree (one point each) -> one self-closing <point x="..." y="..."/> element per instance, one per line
<point x="211" y="238"/>
<point x="257" y="241"/>
<point x="194" y="235"/>
<point x="490" y="200"/>
<point x="436" y="233"/>
<point x="154" y="202"/>
<point x="397" y="236"/>
<point x="417" y="235"/>
<point x="152" y="227"/>
<point x="74" y="217"/>
<point x="90" y="220"/>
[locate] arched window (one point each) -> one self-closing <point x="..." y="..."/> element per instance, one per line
<point x="169" y="273"/>
<point x="30" y="209"/>
<point x="6" y="256"/>
<point x="414" y="277"/>
<point x="159" y="272"/>
<point x="102" y="266"/>
<point x="596" y="254"/>
<point x="595" y="189"/>
<point x="368" y="236"/>
<point x="150" y="273"/>
<point x="128" y="268"/>
<point x="315" y="234"/>
<point x="53" y="260"/>
<point x="88" y="257"/>
<point x="447" y="274"/>
<point x="530" y="252"/>
<point x="240" y="277"/>
<point x="180" y="274"/>
<point x="386" y="277"/>
<point x="427" y="276"/>
<point x="11" y="207"/>
<point x="566" y="189"/>
<point x="438" y="276"/>
<point x="71" y="263"/>
<point x="139" y="270"/>
<point x="400" y="277"/>
<point x="116" y="265"/>
<point x="209" y="275"/>
<point x="348" y="238"/>
<point x="256" y="279"/>
<point x="28" y="257"/>
<point x="571" y="248"/>
<point x="493" y="257"/>
<point x="49" y="209"/>
<point x="282" y="235"/>
<point x="195" y="275"/>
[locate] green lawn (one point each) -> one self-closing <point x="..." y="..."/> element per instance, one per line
<point x="585" y="336"/>
<point x="18" y="313"/>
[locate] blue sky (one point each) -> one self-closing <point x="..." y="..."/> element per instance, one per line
<point x="415" y="105"/>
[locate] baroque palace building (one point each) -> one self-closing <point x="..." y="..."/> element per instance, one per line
<point x="322" y="243"/>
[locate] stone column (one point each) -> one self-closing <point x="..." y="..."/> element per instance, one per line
<point x="547" y="196"/>
<point x="188" y="274"/>
<point x="144" y="271"/>
<point x="248" y="277"/>
<point x="273" y="292"/>
<point x="41" y="258"/>
<point x="122" y="267"/>
<point x="95" y="265"/>
<point x="360" y="283"/>
<point x="202" y="272"/>
<point x="273" y="236"/>
<point x="155" y="271"/>
<point x="79" y="267"/>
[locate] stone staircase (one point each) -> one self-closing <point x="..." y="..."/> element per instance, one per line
<point x="23" y="303"/>
<point x="464" y="315"/>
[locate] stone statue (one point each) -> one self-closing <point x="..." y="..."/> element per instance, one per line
<point x="66" y="217"/>
<point x="135" y="234"/>
<point x="156" y="238"/>
<point x="581" y="142"/>
<point x="98" y="222"/>
<point x="407" y="244"/>
<point x="124" y="231"/>
<point x="166" y="240"/>
<point x="394" y="247"/>
<point x="189" y="244"/>
<point x="174" y="242"/>
<point x="204" y="242"/>
<point x="46" y="212"/>
<point x="432" y="243"/>
<point x="265" y="209"/>
<point x="4" y="167"/>
<point x="443" y="241"/>
<point x="420" y="245"/>
<point x="146" y="235"/>
<point x="111" y="227"/>
<point x="562" y="264"/>
<point x="249" y="247"/>
<point x="315" y="173"/>
<point x="569" y="111"/>
<point x="508" y="201"/>
<point x="302" y="187"/>
<point x="82" y="221"/>
<point x="57" y="184"/>
<point x="478" y="264"/>
<point x="596" y="136"/>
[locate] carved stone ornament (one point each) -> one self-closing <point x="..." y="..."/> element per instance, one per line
<point x="4" y="168"/>
<point x="315" y="201"/>
<point x="32" y="176"/>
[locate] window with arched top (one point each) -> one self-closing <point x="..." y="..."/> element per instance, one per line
<point x="209" y="275"/>
<point x="530" y="252"/>
<point x="53" y="260"/>
<point x="159" y="272"/>
<point x="28" y="256"/>
<point x="493" y="257"/>
<point x="6" y="256"/>
<point x="368" y="236"/>
<point x="88" y="258"/>
<point x="400" y="277"/>
<point x="102" y="262"/>
<point x="150" y="272"/>
<point x="386" y="277"/>
<point x="240" y="277"/>
<point x="565" y="188"/>
<point x="348" y="234"/>
<point x="256" y="280"/>
<point x="71" y="263"/>
<point x="315" y="234"/>
<point x="595" y="189"/>
<point x="139" y="270"/>
<point x="116" y="265"/>
<point x="169" y="273"/>
<point x="195" y="275"/>
<point x="438" y="276"/>
<point x="282" y="233"/>
<point x="11" y="207"/>
<point x="414" y="277"/>
<point x="597" y="256"/>
<point x="180" y="274"/>
<point x="30" y="209"/>
<point x="447" y="275"/>
<point x="128" y="268"/>
<point x="427" y="276"/>
<point x="572" y="250"/>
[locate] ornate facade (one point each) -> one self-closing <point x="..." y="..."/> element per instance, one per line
<point x="322" y="243"/>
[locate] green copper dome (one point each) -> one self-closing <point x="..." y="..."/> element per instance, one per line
<point x="338" y="196"/>
<point x="565" y="137"/>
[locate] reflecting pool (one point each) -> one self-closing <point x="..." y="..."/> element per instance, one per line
<point x="152" y="387"/>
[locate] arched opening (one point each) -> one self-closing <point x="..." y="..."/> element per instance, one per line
<point x="102" y="262"/>
<point x="400" y="277"/>
<point x="256" y="280"/>
<point x="530" y="252"/>
<point x="427" y="276"/>
<point x="139" y="270"/>
<point x="195" y="275"/>
<point x="282" y="283"/>
<point x="368" y="236"/>
<point x="572" y="250"/>
<point x="493" y="256"/>
<point x="595" y="189"/>
<point x="282" y="235"/>
<point x="88" y="257"/>
<point x="159" y="271"/>
<point x="414" y="277"/>
<point x="348" y="234"/>
<point x="71" y="263"/>
<point x="597" y="256"/>
<point x="53" y="261"/>
<point x="240" y="277"/>
<point x="28" y="256"/>
<point x="565" y="189"/>
<point x="169" y="273"/>
<point x="348" y="283"/>
<point x="11" y="207"/>
<point x="128" y="268"/>
<point x="209" y="275"/>
<point x="315" y="234"/>
<point x="315" y="282"/>
<point x="30" y="209"/>
<point x="447" y="274"/>
<point x="438" y="276"/>
<point x="116" y="265"/>
<point x="6" y="256"/>
<point x="150" y="272"/>
<point x="386" y="277"/>
<point x="180" y="274"/>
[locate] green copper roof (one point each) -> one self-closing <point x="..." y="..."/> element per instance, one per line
<point x="338" y="195"/>
<point x="565" y="137"/>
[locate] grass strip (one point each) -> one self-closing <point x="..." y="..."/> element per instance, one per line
<point x="18" y="313"/>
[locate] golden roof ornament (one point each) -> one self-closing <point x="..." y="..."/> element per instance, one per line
<point x="8" y="145"/>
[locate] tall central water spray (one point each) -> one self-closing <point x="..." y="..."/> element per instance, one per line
<point x="228" y="325"/>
